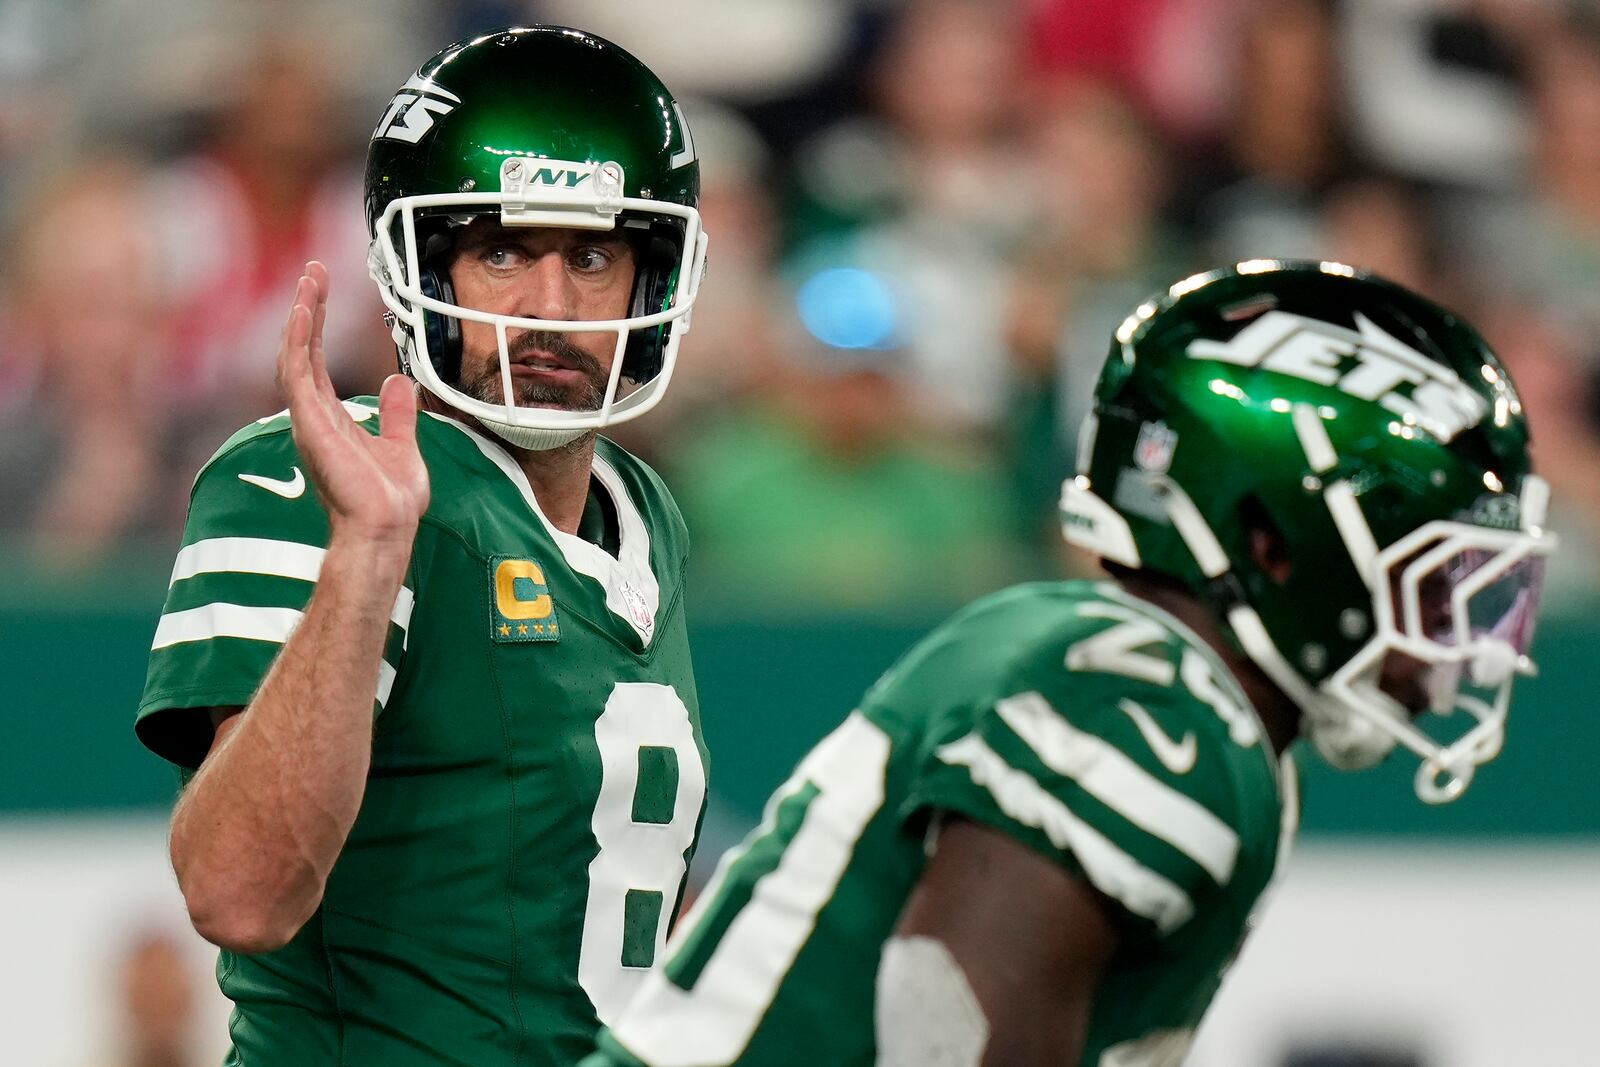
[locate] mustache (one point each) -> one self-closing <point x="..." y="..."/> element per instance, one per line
<point x="554" y="344"/>
<point x="483" y="381"/>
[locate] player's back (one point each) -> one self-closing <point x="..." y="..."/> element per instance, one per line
<point x="1084" y="723"/>
<point x="537" y="766"/>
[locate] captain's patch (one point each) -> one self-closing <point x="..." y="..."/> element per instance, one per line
<point x="523" y="608"/>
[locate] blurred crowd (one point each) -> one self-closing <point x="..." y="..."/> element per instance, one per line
<point x="926" y="219"/>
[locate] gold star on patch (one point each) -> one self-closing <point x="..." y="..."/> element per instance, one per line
<point x="522" y="628"/>
<point x="538" y="627"/>
<point x="505" y="631"/>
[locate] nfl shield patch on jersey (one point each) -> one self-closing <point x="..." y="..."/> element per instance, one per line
<point x="523" y="608"/>
<point x="1153" y="451"/>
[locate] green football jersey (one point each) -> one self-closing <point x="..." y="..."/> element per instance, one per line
<point x="538" y="773"/>
<point x="1088" y="725"/>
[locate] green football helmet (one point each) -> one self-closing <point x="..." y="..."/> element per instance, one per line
<point x="1378" y="436"/>
<point x="536" y="126"/>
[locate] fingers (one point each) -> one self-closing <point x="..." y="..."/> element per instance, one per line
<point x="319" y="313"/>
<point x="317" y="274"/>
<point x="397" y="409"/>
<point x="293" y="354"/>
<point x="298" y="328"/>
<point x="309" y="394"/>
<point x="294" y="361"/>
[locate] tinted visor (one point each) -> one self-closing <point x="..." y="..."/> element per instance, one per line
<point x="1479" y="594"/>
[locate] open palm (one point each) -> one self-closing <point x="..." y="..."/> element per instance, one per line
<point x="375" y="487"/>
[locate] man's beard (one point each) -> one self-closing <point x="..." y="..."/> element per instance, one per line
<point x="484" y="383"/>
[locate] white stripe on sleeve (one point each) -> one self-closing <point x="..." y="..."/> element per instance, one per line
<point x="281" y="559"/>
<point x="249" y="555"/>
<point x="1109" y="775"/>
<point x="1112" y="871"/>
<point x="250" y="623"/>
<point x="225" y="620"/>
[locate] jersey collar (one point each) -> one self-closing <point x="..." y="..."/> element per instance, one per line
<point x="1112" y="591"/>
<point x="632" y="592"/>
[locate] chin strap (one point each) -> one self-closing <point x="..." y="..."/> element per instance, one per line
<point x="530" y="438"/>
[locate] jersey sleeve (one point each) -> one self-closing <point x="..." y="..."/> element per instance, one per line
<point x="1130" y="783"/>
<point x="252" y="549"/>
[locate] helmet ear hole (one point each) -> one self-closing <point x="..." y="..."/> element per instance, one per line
<point x="656" y="257"/>
<point x="442" y="332"/>
<point x="1264" y="540"/>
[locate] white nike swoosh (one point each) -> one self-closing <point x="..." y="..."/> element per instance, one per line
<point x="288" y="488"/>
<point x="1176" y="756"/>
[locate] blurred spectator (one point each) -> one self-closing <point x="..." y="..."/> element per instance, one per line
<point x="1440" y="93"/>
<point x="946" y="290"/>
<point x="739" y="51"/>
<point x="1286" y="143"/>
<point x="1558" y="390"/>
<point x="148" y="73"/>
<point x="270" y="187"/>
<point x="1550" y="253"/>
<point x="742" y="310"/>
<point x="78" y="432"/>
<point x="157" y="996"/>
<point x="1163" y="53"/>
<point x="1101" y="40"/>
<point x="822" y="493"/>
<point x="1098" y="248"/>
<point x="936" y="141"/>
<point x="37" y="38"/>
<point x="1434" y="86"/>
<point x="946" y="85"/>
<point x="936" y="183"/>
<point x="1382" y="226"/>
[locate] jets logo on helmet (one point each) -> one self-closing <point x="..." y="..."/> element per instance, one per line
<point x="1377" y="439"/>
<point x="1366" y="362"/>
<point x="412" y="111"/>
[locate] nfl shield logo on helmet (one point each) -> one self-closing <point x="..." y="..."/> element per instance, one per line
<point x="1153" y="451"/>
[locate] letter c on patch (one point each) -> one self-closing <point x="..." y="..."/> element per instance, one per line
<point x="519" y="590"/>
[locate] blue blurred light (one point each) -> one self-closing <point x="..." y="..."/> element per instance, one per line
<point x="846" y="307"/>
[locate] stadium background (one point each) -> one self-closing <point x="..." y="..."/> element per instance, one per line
<point x="926" y="218"/>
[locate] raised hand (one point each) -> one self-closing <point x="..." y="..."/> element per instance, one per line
<point x="372" y="487"/>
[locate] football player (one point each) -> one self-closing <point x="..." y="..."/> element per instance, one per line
<point x="423" y="660"/>
<point x="1040" y="838"/>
